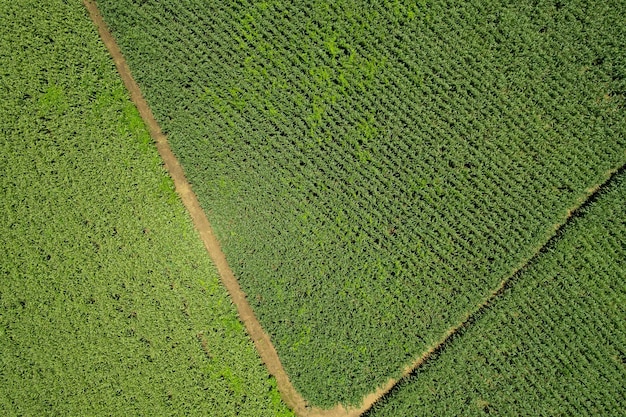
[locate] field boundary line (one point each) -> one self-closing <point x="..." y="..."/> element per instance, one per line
<point x="260" y="338"/>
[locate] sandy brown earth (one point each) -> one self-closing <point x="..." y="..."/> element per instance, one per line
<point x="260" y="338"/>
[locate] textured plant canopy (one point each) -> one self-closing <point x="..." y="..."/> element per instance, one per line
<point x="375" y="169"/>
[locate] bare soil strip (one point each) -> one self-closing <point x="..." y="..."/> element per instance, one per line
<point x="261" y="339"/>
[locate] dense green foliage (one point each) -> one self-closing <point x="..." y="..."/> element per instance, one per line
<point x="375" y="168"/>
<point x="553" y="345"/>
<point x="109" y="304"/>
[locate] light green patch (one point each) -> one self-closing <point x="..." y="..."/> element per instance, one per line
<point x="53" y="101"/>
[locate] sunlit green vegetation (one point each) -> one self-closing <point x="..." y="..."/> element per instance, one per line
<point x="553" y="345"/>
<point x="109" y="304"/>
<point x="374" y="169"/>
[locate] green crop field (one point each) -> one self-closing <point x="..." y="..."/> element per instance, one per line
<point x="375" y="169"/>
<point x="109" y="304"/>
<point x="553" y="345"/>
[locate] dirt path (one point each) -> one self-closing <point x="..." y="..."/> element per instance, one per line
<point x="261" y="339"/>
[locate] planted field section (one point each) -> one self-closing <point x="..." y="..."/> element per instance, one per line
<point x="375" y="169"/>
<point x="553" y="345"/>
<point x="109" y="304"/>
